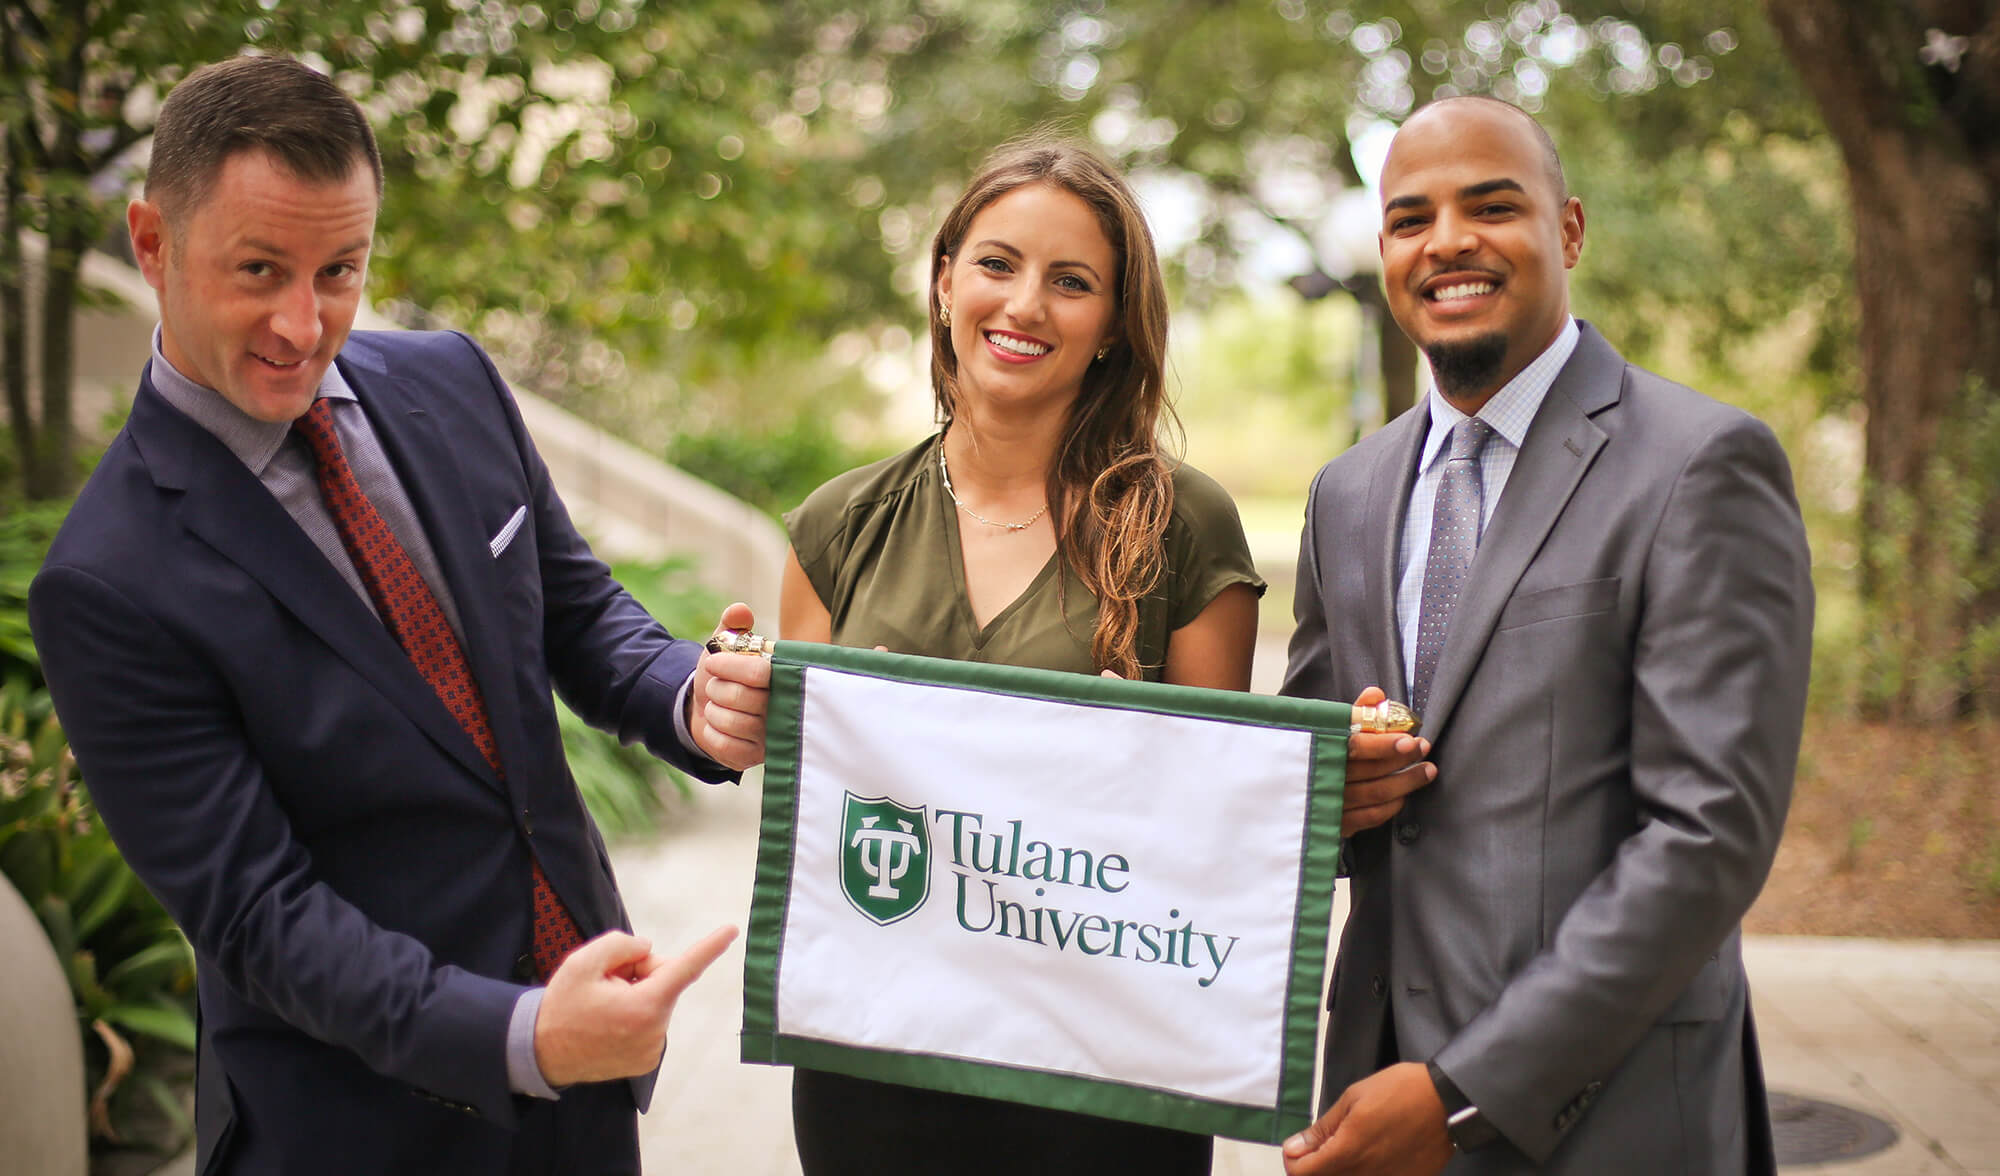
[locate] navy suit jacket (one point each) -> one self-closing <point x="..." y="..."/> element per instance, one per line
<point x="354" y="878"/>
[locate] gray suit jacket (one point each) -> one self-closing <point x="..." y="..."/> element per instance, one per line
<point x="1615" y="720"/>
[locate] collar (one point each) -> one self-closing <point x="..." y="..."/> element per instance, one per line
<point x="254" y="442"/>
<point x="1512" y="409"/>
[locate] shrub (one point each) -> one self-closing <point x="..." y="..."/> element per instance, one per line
<point x="773" y="471"/>
<point x="130" y="970"/>
<point x="621" y="785"/>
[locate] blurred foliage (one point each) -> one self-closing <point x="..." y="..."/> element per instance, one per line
<point x="707" y="189"/>
<point x="26" y="530"/>
<point x="669" y="217"/>
<point x="672" y="590"/>
<point x="621" y="785"/>
<point x="772" y="471"/>
<point x="1910" y="92"/>
<point x="130" y="970"/>
<point x="1768" y="214"/>
<point x="1986" y="871"/>
<point x="1954" y="566"/>
<point x="1267" y="390"/>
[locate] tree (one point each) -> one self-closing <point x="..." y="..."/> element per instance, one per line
<point x="644" y="165"/>
<point x="662" y="214"/>
<point x="703" y="193"/>
<point x="1258" y="109"/>
<point x="1910" y="90"/>
<point x="62" y="122"/>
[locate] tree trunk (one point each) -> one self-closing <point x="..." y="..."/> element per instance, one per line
<point x="71" y="227"/>
<point x="53" y="474"/>
<point x="1399" y="362"/>
<point x="13" y="268"/>
<point x="1923" y="172"/>
<point x="14" y="313"/>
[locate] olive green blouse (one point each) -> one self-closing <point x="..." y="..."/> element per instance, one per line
<point x="880" y="547"/>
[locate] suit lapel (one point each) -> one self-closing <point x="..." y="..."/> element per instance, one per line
<point x="230" y="510"/>
<point x="1560" y="446"/>
<point x="432" y="477"/>
<point x="1388" y="506"/>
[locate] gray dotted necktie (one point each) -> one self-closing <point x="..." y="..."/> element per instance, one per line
<point x="1454" y="538"/>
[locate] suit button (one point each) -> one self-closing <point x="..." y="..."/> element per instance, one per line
<point x="524" y="968"/>
<point x="1379" y="986"/>
<point x="1406" y="833"/>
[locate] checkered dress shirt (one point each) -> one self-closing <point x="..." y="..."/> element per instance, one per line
<point x="1511" y="410"/>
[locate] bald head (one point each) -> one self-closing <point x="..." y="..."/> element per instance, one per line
<point x="1478" y="236"/>
<point x="1477" y="104"/>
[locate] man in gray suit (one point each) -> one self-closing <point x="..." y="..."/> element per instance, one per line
<point x="1594" y="586"/>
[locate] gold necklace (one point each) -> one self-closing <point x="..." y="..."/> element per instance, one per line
<point x="946" y="475"/>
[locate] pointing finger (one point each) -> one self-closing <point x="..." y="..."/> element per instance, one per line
<point x="671" y="978"/>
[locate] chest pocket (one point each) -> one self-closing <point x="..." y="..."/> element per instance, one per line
<point x="1585" y="598"/>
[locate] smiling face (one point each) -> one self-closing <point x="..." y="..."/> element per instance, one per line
<point x="259" y="281"/>
<point x="1477" y="241"/>
<point x="1033" y="294"/>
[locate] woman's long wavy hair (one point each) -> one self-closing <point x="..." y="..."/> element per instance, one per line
<point x="1110" y="487"/>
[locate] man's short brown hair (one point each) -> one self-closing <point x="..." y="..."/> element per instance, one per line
<point x="274" y="104"/>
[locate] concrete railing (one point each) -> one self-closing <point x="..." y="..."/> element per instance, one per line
<point x="630" y="504"/>
<point x="42" y="1127"/>
<point x="633" y="505"/>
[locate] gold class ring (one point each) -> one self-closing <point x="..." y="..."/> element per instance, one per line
<point x="741" y="641"/>
<point x="1384" y="718"/>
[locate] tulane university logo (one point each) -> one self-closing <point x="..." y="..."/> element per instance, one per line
<point x="885" y="857"/>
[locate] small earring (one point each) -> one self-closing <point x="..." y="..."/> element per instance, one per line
<point x="944" y="314"/>
<point x="1102" y="352"/>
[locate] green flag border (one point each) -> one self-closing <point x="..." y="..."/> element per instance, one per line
<point x="764" y="1043"/>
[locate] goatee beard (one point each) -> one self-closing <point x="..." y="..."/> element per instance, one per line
<point x="1468" y="367"/>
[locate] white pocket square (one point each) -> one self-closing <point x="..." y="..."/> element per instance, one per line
<point x="500" y="541"/>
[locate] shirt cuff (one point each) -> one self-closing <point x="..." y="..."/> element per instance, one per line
<point x="681" y="717"/>
<point x="524" y="1073"/>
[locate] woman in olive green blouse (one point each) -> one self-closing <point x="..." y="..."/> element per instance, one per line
<point x="1042" y="526"/>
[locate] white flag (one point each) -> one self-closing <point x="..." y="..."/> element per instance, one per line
<point x="1076" y="892"/>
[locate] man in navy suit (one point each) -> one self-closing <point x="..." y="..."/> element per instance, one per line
<point x="302" y="628"/>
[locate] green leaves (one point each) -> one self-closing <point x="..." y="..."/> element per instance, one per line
<point x="621" y="785"/>
<point x="639" y="206"/>
<point x="161" y="1020"/>
<point x="126" y="962"/>
<point x="25" y="533"/>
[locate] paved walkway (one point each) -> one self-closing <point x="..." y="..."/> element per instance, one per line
<point x="1906" y="1030"/>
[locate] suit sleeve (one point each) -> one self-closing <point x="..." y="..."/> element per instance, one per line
<point x="1719" y="667"/>
<point x="1309" y="661"/>
<point x="616" y="667"/>
<point x="179" y="783"/>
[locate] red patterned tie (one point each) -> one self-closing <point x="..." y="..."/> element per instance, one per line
<point x="418" y="624"/>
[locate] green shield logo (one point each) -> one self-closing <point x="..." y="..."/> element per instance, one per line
<point x="885" y="857"/>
